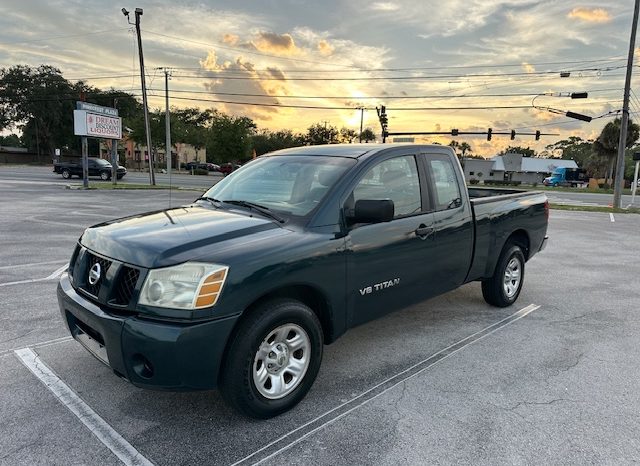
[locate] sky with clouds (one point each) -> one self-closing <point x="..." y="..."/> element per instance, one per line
<point x="435" y="65"/>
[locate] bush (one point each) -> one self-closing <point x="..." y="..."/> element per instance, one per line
<point x="200" y="171"/>
<point x="502" y="183"/>
<point x="474" y="181"/>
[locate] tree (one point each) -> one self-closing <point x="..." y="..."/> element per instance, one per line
<point x="464" y="148"/>
<point x="368" y="135"/>
<point x="525" y="151"/>
<point x="40" y="103"/>
<point x="266" y="141"/>
<point x="581" y="151"/>
<point x="606" y="145"/>
<point x="229" y="138"/>
<point x="321" y="134"/>
<point x="347" y="136"/>
<point x="11" y="140"/>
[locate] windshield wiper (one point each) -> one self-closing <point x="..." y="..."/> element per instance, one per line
<point x="260" y="208"/>
<point x="215" y="202"/>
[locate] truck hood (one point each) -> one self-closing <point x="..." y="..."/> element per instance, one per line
<point x="167" y="237"/>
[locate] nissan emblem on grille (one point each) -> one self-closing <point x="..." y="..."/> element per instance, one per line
<point x="94" y="274"/>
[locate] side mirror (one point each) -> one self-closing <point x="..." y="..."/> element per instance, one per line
<point x="373" y="211"/>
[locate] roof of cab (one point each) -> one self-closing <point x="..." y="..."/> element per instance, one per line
<point x="340" y="150"/>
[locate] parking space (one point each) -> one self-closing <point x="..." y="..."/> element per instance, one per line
<point x="451" y="380"/>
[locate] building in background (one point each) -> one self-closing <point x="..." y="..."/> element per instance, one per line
<point x="136" y="156"/>
<point x="512" y="168"/>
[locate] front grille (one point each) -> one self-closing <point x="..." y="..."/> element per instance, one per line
<point x="91" y="260"/>
<point x="125" y="284"/>
<point x="72" y="262"/>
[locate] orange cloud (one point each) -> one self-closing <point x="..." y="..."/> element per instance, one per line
<point x="275" y="43"/>
<point x="325" y="48"/>
<point x="591" y="15"/>
<point x="231" y="39"/>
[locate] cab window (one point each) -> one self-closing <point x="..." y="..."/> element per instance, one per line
<point x="444" y="181"/>
<point x="395" y="179"/>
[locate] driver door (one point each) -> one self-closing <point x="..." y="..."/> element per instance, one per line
<point x="388" y="263"/>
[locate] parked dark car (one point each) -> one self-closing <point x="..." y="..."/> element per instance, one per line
<point x="97" y="167"/>
<point x="243" y="288"/>
<point x="227" y="168"/>
<point x="212" y="167"/>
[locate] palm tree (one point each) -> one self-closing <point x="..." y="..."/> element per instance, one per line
<point x="464" y="148"/>
<point x="606" y="145"/>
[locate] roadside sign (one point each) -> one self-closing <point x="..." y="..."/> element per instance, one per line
<point x="96" y="125"/>
<point x="99" y="109"/>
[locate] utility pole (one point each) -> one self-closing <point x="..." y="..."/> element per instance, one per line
<point x="167" y="118"/>
<point x="114" y="154"/>
<point x="361" y="119"/>
<point x="619" y="183"/>
<point x="138" y="13"/>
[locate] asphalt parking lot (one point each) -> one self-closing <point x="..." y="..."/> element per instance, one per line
<point x="553" y="379"/>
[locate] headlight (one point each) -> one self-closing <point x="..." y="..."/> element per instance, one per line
<point x="192" y="285"/>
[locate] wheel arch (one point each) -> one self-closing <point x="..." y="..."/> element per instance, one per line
<point x="309" y="295"/>
<point x="521" y="238"/>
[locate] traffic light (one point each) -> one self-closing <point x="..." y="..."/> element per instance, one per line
<point x="513" y="134"/>
<point x="382" y="116"/>
<point x="538" y="135"/>
<point x="489" y="131"/>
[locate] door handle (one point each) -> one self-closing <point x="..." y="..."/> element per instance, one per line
<point x="423" y="231"/>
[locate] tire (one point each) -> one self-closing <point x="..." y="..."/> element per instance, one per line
<point x="66" y="174"/>
<point x="104" y="176"/>
<point x="272" y="359"/>
<point x="555" y="185"/>
<point x="504" y="287"/>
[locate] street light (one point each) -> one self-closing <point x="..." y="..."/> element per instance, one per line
<point x="573" y="95"/>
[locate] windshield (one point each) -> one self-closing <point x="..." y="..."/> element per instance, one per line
<point x="288" y="184"/>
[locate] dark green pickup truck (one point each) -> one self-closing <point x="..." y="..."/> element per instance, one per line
<point x="241" y="289"/>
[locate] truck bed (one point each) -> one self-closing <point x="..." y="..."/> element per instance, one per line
<point x="495" y="211"/>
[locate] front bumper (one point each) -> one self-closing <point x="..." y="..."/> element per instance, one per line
<point x="148" y="353"/>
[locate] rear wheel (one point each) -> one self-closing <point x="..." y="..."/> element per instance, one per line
<point x="273" y="359"/>
<point x="504" y="287"/>
<point x="66" y="174"/>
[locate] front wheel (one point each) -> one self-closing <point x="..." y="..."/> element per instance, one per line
<point x="504" y="287"/>
<point x="273" y="359"/>
<point x="104" y="176"/>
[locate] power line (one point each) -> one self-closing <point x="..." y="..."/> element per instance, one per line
<point x="262" y="104"/>
<point x="381" y="97"/>
<point x="424" y="68"/>
<point x="45" y="39"/>
<point x="393" y="78"/>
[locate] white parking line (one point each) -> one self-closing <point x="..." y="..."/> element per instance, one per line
<point x="42" y="344"/>
<point x="290" y="439"/>
<point x="55" y="274"/>
<point x="65" y="395"/>
<point x="613" y="219"/>
<point x="33" y="264"/>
